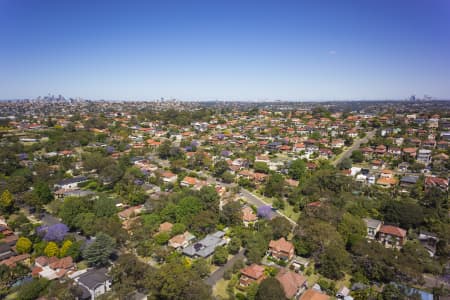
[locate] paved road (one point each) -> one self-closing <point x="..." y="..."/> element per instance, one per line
<point x="253" y="199"/>
<point x="347" y="153"/>
<point x="218" y="274"/>
<point x="247" y="195"/>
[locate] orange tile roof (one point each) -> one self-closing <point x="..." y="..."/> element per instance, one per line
<point x="281" y="245"/>
<point x="190" y="180"/>
<point x="165" y="227"/>
<point x="253" y="271"/>
<point x="393" y="230"/>
<point x="248" y="215"/>
<point x="387" y="181"/>
<point x="290" y="281"/>
<point x="314" y="295"/>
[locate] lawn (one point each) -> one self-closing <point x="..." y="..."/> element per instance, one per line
<point x="220" y="289"/>
<point x="82" y="265"/>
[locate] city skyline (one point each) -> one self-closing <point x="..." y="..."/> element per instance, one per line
<point x="225" y="51"/>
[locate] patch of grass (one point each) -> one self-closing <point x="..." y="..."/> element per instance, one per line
<point x="12" y="296"/>
<point x="82" y="265"/>
<point x="220" y="289"/>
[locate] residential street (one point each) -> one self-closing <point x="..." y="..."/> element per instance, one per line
<point x="218" y="274"/>
<point x="355" y="146"/>
<point x="256" y="201"/>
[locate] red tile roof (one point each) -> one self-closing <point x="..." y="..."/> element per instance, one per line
<point x="393" y="230"/>
<point x="290" y="281"/>
<point x="281" y="245"/>
<point x="314" y="295"/>
<point x="253" y="271"/>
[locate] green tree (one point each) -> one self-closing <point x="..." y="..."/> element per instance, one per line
<point x="357" y="156"/>
<point x="333" y="261"/>
<point x="390" y="291"/>
<point x="406" y="213"/>
<point x="177" y="228"/>
<point x="43" y="193"/>
<point x="220" y="167"/>
<point x="270" y="289"/>
<point x="345" y="164"/>
<point x="256" y="247"/>
<point x="65" y="248"/>
<point x="129" y="274"/>
<point x="231" y="214"/>
<point x="261" y="167"/>
<point x="234" y="245"/>
<point x="280" y="227"/>
<point x="72" y="206"/>
<point x="164" y="149"/>
<point x="176" y="281"/>
<point x="351" y="228"/>
<point x="99" y="251"/>
<point x="275" y="185"/>
<point x="74" y="251"/>
<point x="23" y="245"/>
<point x="220" y="256"/>
<point x="33" y="289"/>
<point x="162" y="238"/>
<point x="227" y="177"/>
<point x="297" y="169"/>
<point x="201" y="267"/>
<point x="6" y="201"/>
<point x="104" y="207"/>
<point x="51" y="249"/>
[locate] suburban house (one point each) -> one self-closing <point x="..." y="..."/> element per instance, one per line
<point x="429" y="241"/>
<point x="441" y="183"/>
<point x="408" y="181"/>
<point x="387" y="182"/>
<point x="312" y="294"/>
<point x="70" y="183"/>
<point x="373" y="226"/>
<point x="206" y="246"/>
<point x="424" y="156"/>
<point x="53" y="267"/>
<point x="299" y="147"/>
<point x="92" y="283"/>
<point x="181" y="240"/>
<point x="248" y="215"/>
<point x="293" y="283"/>
<point x="169" y="177"/>
<point x="188" y="181"/>
<point x="165" y="227"/>
<point x="392" y="236"/>
<point x="344" y="293"/>
<point x="281" y="249"/>
<point x="130" y="212"/>
<point x="251" y="274"/>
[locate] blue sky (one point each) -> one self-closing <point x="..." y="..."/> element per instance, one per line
<point x="227" y="50"/>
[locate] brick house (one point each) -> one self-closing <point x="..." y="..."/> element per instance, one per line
<point x="281" y="249"/>
<point x="251" y="274"/>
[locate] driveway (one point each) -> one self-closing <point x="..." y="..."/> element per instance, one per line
<point x="218" y="274"/>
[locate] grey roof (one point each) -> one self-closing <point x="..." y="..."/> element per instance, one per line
<point x="409" y="179"/>
<point x="205" y="247"/>
<point x="78" y="193"/>
<point x="73" y="180"/>
<point x="372" y="223"/>
<point x="93" y="278"/>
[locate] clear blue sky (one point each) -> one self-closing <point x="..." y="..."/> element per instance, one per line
<point x="228" y="50"/>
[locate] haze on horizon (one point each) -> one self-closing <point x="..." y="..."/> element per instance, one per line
<point x="230" y="50"/>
